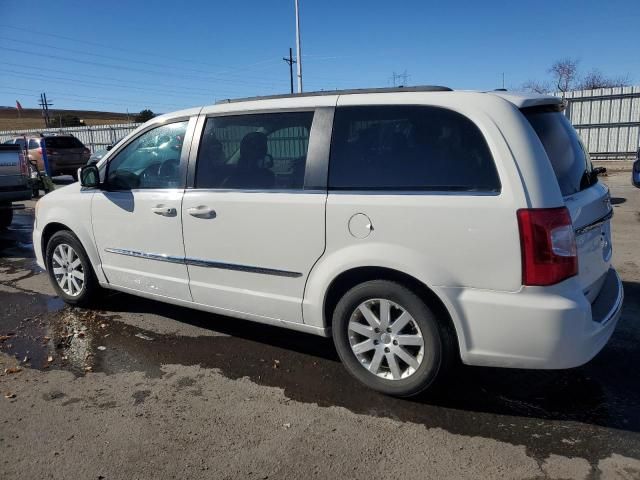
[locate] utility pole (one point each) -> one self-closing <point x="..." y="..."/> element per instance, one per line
<point x="400" y="79"/>
<point x="44" y="104"/>
<point x="290" y="61"/>
<point x="298" y="48"/>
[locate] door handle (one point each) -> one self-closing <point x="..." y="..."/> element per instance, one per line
<point x="201" y="211"/>
<point x="164" y="211"/>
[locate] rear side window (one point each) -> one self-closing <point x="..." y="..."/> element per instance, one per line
<point x="63" y="142"/>
<point x="33" y="143"/>
<point x="254" y="152"/>
<point x="568" y="157"/>
<point x="416" y="148"/>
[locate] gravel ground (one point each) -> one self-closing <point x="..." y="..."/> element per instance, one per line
<point x="137" y="389"/>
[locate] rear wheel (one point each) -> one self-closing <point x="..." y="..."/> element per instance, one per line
<point x="69" y="269"/>
<point x="389" y="339"/>
<point x="6" y="215"/>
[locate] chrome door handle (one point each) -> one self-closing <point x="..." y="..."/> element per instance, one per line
<point x="164" y="211"/>
<point x="201" y="211"/>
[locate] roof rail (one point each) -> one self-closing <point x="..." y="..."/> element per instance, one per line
<point x="419" y="88"/>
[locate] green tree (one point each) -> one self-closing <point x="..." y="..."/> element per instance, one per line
<point x="145" y="115"/>
<point x="70" y="121"/>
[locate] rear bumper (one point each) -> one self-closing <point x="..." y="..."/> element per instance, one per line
<point x="537" y="327"/>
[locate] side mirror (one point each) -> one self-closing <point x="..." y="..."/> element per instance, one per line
<point x="109" y="147"/>
<point x="89" y="176"/>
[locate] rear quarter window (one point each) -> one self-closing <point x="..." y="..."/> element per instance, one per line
<point x="412" y="148"/>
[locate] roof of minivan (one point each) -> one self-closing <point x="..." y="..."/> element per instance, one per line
<point x="328" y="98"/>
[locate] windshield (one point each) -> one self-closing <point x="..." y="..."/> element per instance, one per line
<point x="568" y="157"/>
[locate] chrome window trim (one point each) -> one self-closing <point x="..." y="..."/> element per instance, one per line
<point x="197" y="262"/>
<point x="415" y="192"/>
<point x="243" y="190"/>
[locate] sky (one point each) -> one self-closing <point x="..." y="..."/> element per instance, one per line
<point x="166" y="55"/>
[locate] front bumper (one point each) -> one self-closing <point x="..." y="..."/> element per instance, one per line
<point x="37" y="247"/>
<point x="537" y="327"/>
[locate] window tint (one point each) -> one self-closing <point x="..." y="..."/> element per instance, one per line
<point x="409" y="148"/>
<point x="566" y="153"/>
<point x="33" y="143"/>
<point x="63" y="142"/>
<point x="151" y="160"/>
<point x="21" y="142"/>
<point x="261" y="152"/>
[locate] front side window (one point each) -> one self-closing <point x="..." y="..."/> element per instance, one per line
<point x="254" y="152"/>
<point x="151" y="160"/>
<point x="409" y="147"/>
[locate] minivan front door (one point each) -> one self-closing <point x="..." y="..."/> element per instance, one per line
<point x="137" y="217"/>
<point x="254" y="223"/>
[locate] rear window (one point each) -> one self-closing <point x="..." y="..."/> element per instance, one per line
<point x="63" y="142"/>
<point x="568" y="157"/>
<point x="409" y="148"/>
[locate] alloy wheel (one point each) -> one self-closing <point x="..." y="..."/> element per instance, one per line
<point x="68" y="270"/>
<point x="386" y="339"/>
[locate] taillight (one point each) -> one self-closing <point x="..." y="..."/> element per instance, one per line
<point x="40" y="150"/>
<point x="548" y="245"/>
<point x="24" y="166"/>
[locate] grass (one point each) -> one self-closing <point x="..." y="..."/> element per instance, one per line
<point x="32" y="118"/>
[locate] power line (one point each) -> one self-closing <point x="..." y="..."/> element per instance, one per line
<point x="132" y="69"/>
<point x="135" y="86"/>
<point x="136" y="61"/>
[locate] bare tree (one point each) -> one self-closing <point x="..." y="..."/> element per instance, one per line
<point x="596" y="79"/>
<point x="536" y="86"/>
<point x="564" y="72"/>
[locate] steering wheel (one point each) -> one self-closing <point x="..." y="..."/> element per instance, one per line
<point x="160" y="173"/>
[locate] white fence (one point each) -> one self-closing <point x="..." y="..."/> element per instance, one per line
<point x="608" y="120"/>
<point x="94" y="137"/>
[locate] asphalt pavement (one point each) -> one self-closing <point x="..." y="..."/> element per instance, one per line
<point x="140" y="389"/>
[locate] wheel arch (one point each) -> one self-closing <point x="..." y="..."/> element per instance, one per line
<point x="357" y="275"/>
<point x="53" y="227"/>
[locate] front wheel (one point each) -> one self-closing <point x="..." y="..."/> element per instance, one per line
<point x="389" y="339"/>
<point x="69" y="269"/>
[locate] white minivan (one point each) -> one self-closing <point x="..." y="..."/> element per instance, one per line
<point x="417" y="226"/>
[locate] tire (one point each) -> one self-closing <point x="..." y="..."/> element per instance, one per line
<point x="57" y="258"/>
<point x="429" y="360"/>
<point x="6" y="215"/>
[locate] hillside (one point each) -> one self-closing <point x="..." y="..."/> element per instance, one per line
<point x="32" y="117"/>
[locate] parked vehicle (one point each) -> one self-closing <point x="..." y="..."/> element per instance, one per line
<point x="64" y="153"/>
<point x="413" y="225"/>
<point x="635" y="174"/>
<point x="14" y="181"/>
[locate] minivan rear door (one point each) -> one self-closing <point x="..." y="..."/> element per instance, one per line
<point x="588" y="200"/>
<point x="254" y="215"/>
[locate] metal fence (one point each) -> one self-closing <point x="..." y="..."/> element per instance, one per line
<point x="608" y="120"/>
<point x="94" y="137"/>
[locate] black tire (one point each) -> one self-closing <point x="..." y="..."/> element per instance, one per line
<point x="439" y="345"/>
<point x="6" y="215"/>
<point x="90" y="287"/>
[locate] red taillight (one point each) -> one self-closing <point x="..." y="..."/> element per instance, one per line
<point x="24" y="166"/>
<point x="548" y="245"/>
<point x="40" y="150"/>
